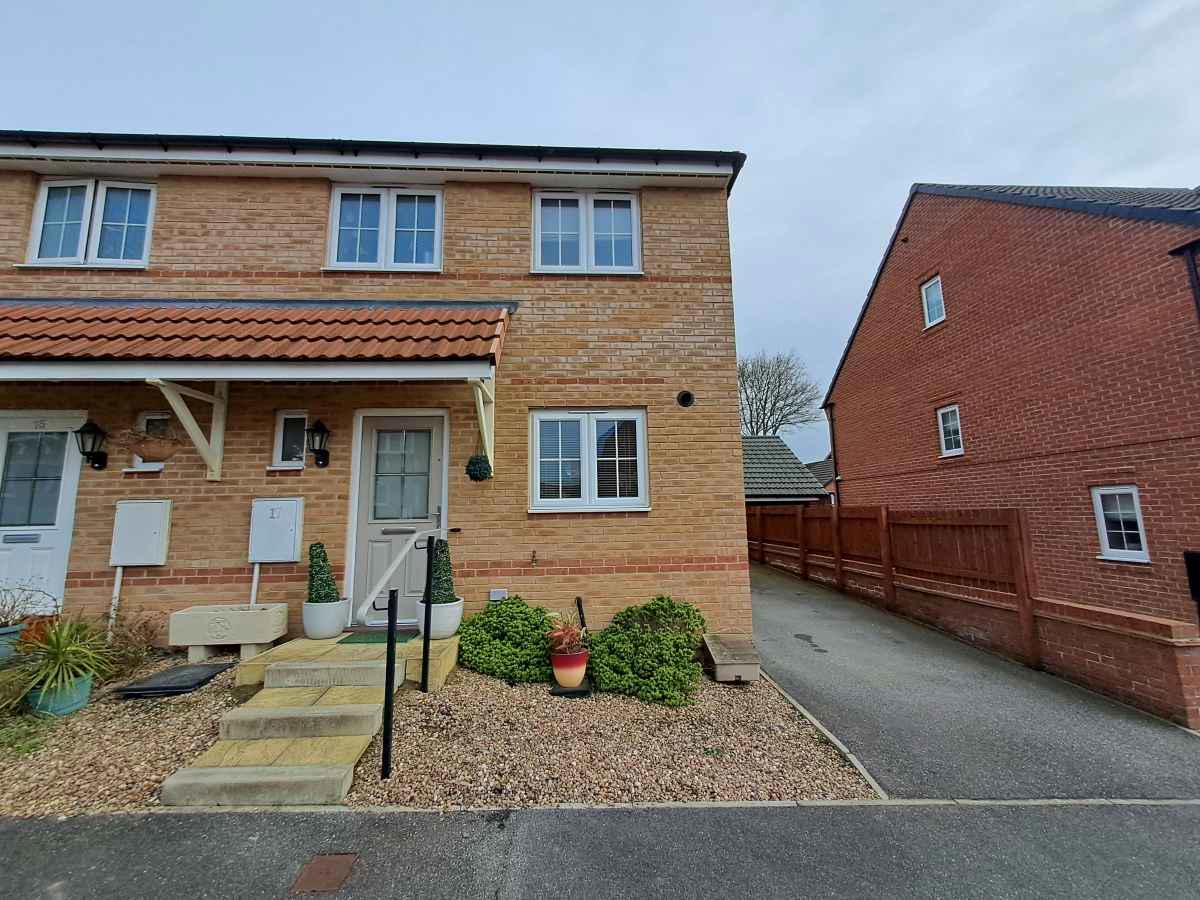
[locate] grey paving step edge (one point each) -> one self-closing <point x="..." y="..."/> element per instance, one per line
<point x="365" y="673"/>
<point x="258" y="786"/>
<point x="247" y="723"/>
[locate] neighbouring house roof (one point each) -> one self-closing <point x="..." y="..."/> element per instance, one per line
<point x="1177" y="206"/>
<point x="771" y="469"/>
<point x="294" y="331"/>
<point x="822" y="470"/>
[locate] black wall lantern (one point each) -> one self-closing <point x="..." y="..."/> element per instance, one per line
<point x="318" y="439"/>
<point x="90" y="438"/>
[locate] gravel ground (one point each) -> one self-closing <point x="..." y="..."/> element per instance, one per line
<point x="114" y="754"/>
<point x="481" y="743"/>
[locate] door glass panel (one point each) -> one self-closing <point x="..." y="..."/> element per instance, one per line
<point x="33" y="467"/>
<point x="401" y="484"/>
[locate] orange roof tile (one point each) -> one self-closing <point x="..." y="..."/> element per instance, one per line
<point x="318" y="330"/>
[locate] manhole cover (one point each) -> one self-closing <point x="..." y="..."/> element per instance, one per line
<point x="324" y="874"/>
<point x="178" y="680"/>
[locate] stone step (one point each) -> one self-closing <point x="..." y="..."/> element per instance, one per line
<point x="258" y="785"/>
<point x="261" y="722"/>
<point x="303" y="673"/>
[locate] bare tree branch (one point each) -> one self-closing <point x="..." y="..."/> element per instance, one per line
<point x="776" y="393"/>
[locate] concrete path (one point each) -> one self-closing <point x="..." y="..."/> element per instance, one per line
<point x="929" y="716"/>
<point x="943" y="851"/>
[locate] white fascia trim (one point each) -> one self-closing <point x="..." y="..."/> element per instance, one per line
<point x="107" y="370"/>
<point x="363" y="160"/>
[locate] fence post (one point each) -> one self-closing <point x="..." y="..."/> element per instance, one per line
<point x="1021" y="558"/>
<point x="885" y="558"/>
<point x="758" y="534"/>
<point x="839" y="576"/>
<point x="800" y="545"/>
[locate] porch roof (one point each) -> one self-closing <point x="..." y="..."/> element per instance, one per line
<point x="277" y="331"/>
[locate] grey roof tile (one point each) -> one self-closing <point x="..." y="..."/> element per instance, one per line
<point x="771" y="469"/>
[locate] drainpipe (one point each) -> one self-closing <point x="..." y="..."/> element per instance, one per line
<point x="837" y="488"/>
<point x="1188" y="252"/>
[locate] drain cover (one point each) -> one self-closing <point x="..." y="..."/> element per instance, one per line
<point x="324" y="874"/>
<point x="178" y="680"/>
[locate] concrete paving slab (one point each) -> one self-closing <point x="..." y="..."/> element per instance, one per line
<point x="327" y="751"/>
<point x="286" y="696"/>
<point x="258" y="785"/>
<point x="255" y="723"/>
<point x="323" y="673"/>
<point x="242" y="753"/>
<point x="341" y="695"/>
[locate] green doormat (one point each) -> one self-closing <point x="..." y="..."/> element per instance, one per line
<point x="375" y="637"/>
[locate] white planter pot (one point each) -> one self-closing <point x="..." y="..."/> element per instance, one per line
<point x="444" y="619"/>
<point x="325" y="620"/>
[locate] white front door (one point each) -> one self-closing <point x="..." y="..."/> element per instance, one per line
<point x="399" y="488"/>
<point x="39" y="473"/>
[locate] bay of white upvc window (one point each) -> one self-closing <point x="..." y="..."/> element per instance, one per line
<point x="588" y="460"/>
<point x="586" y="231"/>
<point x="90" y="222"/>
<point x="398" y="229"/>
<point x="1118" y="510"/>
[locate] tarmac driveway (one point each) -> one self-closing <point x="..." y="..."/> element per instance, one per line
<point x="930" y="717"/>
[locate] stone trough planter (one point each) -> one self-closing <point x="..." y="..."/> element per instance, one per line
<point x="204" y="628"/>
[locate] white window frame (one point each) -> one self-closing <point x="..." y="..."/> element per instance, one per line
<point x="1107" y="552"/>
<point x="936" y="279"/>
<point x="962" y="441"/>
<point x="589" y="502"/>
<point x="587" y="254"/>
<point x="387" y="228"/>
<point x="89" y="231"/>
<point x="277" y="460"/>
<point x="138" y="464"/>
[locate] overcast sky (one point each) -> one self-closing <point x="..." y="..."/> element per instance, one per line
<point x="840" y="105"/>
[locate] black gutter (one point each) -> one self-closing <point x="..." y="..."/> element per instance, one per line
<point x="734" y="158"/>
<point x="1188" y="252"/>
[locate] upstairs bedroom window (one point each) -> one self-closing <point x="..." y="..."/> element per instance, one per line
<point x="931" y="298"/>
<point x="586" y="231"/>
<point x="950" y="431"/>
<point x="589" y="461"/>
<point x="90" y="222"/>
<point x="1118" y="512"/>
<point x="398" y="229"/>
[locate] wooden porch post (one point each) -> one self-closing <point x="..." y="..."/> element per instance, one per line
<point x="1021" y="560"/>
<point x="801" y="547"/>
<point x="885" y="558"/>
<point x="839" y="576"/>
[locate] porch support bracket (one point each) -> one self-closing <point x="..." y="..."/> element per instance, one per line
<point x="485" y="410"/>
<point x="212" y="448"/>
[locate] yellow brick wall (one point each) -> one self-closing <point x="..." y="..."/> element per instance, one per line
<point x="575" y="341"/>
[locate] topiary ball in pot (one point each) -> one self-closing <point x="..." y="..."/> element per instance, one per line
<point x="509" y="640"/>
<point x="649" y="652"/>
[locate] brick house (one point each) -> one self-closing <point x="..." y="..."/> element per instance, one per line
<point x="565" y="312"/>
<point x="1039" y="347"/>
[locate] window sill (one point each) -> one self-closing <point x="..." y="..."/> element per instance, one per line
<point x="148" y="467"/>
<point x="588" y="509"/>
<point x="1121" y="559"/>
<point x="359" y="270"/>
<point x="633" y="272"/>
<point x="933" y="325"/>
<point x="957" y="454"/>
<point x="136" y="267"/>
<point x="279" y="468"/>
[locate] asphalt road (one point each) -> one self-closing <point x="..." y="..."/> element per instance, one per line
<point x="827" y="851"/>
<point x="929" y="716"/>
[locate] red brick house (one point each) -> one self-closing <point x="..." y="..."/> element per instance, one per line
<point x="565" y="313"/>
<point x="1039" y="347"/>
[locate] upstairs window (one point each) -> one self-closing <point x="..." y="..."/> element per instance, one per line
<point x="589" y="460"/>
<point x="92" y="222"/>
<point x="931" y="298"/>
<point x="950" y="431"/>
<point x="586" y="231"/>
<point x="1118" y="512"/>
<point x="399" y="229"/>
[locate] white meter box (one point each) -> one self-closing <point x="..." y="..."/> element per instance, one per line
<point x="140" y="533"/>
<point x="276" y="529"/>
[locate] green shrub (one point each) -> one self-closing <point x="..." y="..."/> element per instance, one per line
<point x="442" y="586"/>
<point x="321" y="586"/>
<point x="507" y="640"/>
<point x="649" y="652"/>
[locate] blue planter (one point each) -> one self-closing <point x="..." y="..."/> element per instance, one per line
<point x="8" y="637"/>
<point x="61" y="701"/>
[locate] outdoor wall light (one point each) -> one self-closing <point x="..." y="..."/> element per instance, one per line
<point x="318" y="439"/>
<point x="90" y="438"/>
